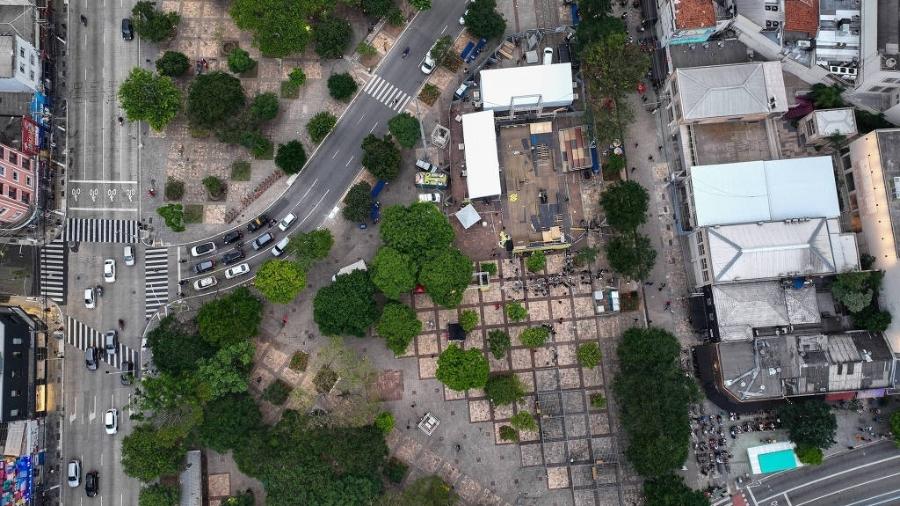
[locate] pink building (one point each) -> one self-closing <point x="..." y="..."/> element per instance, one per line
<point x="18" y="184"/>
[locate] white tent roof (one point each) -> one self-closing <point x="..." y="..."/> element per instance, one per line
<point x="468" y="216"/>
<point x="552" y="84"/>
<point x="482" y="164"/>
<point x="771" y="190"/>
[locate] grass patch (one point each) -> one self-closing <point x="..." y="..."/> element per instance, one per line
<point x="174" y="189"/>
<point x="240" y="170"/>
<point x="325" y="380"/>
<point x="290" y="89"/>
<point x="630" y="301"/>
<point x="429" y="94"/>
<point x="173" y="214"/>
<point x="598" y="401"/>
<point x="199" y="133"/>
<point x="193" y="213"/>
<point x="215" y="187"/>
<point x="277" y="393"/>
<point x="299" y="361"/>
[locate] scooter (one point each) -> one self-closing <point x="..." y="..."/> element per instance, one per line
<point x="83" y="20"/>
<point x="406" y="52"/>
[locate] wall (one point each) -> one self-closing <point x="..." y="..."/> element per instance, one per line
<point x="18" y="179"/>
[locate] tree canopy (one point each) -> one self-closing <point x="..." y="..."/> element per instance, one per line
<point x="536" y="261"/>
<point x="670" y="490"/>
<point x="213" y="98"/>
<point x="280" y="27"/>
<point x="398" y="325"/>
<point x="809" y="423"/>
<point x="405" y="128"/>
<point x="462" y="369"/>
<point x="230" y="319"/>
<point x="321" y="125"/>
<point x="148" y="453"/>
<point x="827" y="97"/>
<point x="856" y="289"/>
<point x="654" y="395"/>
<point x="311" y="246"/>
<point x="332" y="35"/>
<point x="358" y="202"/>
<point x="291" y="157"/>
<point x="342" y="86"/>
<point x="239" y="61"/>
<point x="280" y="281"/>
<point x="168" y="341"/>
<point x="428" y="490"/>
<point x="446" y="277"/>
<point x="504" y="388"/>
<point x="625" y="205"/>
<point x="228" y="420"/>
<point x="589" y="355"/>
<point x="173" y="64"/>
<point x="153" y="24"/>
<point x="483" y="20"/>
<point x="393" y="272"/>
<point x="346" y="306"/>
<point x="158" y="494"/>
<point x="147" y="97"/>
<point x="596" y="22"/>
<point x="631" y="255"/>
<point x="264" y="107"/>
<point x="419" y="230"/>
<point x="381" y="157"/>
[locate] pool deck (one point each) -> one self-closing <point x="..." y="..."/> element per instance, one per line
<point x="755" y="452"/>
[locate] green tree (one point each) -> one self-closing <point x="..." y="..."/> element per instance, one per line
<point x="333" y="36"/>
<point x="280" y="281"/>
<point x="809" y="455"/>
<point x="596" y="22"/>
<point x="239" y="61"/>
<point x="321" y="125"/>
<point x="151" y="98"/>
<point x="152" y="24"/>
<point x="158" y="494"/>
<point x="230" y="319"/>
<point x="653" y="397"/>
<point x="429" y="490"/>
<point x="508" y="433"/>
<point x="228" y="420"/>
<point x="385" y="422"/>
<point x="393" y="272"/>
<point x="167" y="343"/>
<point x="461" y="370"/>
<point x="242" y="499"/>
<point x="670" y="490"/>
<point x="446" y="276"/>
<point x="866" y="121"/>
<point x="358" y="202"/>
<point x="499" y="343"/>
<point x="586" y="256"/>
<point x="589" y="355"/>
<point x="856" y="289"/>
<point x="441" y="51"/>
<point x="346" y="306"/>
<point x="468" y="320"/>
<point x="827" y="97"/>
<point x="342" y="86"/>
<point x="405" y="128"/>
<point x="226" y="372"/>
<point x="809" y="423"/>
<point x="895" y="426"/>
<point x="381" y="157"/>
<point x="173" y="64"/>
<point x="872" y="319"/>
<point x="398" y="326"/>
<point x="504" y="388"/>
<point x="148" y="453"/>
<point x="516" y="312"/>
<point x="483" y="20"/>
<point x="631" y="255"/>
<point x="291" y="157"/>
<point x="523" y="420"/>
<point x="534" y="337"/>
<point x="420" y="230"/>
<point x="264" y="107"/>
<point x="625" y="205"/>
<point x="279" y="27"/>
<point x="311" y="246"/>
<point x="277" y="393"/>
<point x="536" y="261"/>
<point x="376" y="8"/>
<point x="214" y="98"/>
<point x="422" y="5"/>
<point x="215" y="187"/>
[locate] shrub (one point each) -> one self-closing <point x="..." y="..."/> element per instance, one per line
<point x="299" y="361"/>
<point x="260" y="147"/>
<point x="297" y="76"/>
<point x="489" y="267"/>
<point x="461" y="370"/>
<point x="809" y="455"/>
<point x="523" y="421"/>
<point x="291" y="157"/>
<point x="291" y="87"/>
<point x="395" y="16"/>
<point x="536" y="262"/>
<point x="405" y="129"/>
<point x="325" y="380"/>
<point x="215" y="187"/>
<point x="586" y="256"/>
<point x="468" y="320"/>
<point x="365" y="49"/>
<point x="429" y="94"/>
<point x="385" y="422"/>
<point x="516" y="312"/>
<point x="277" y="393"/>
<point x="498" y="343"/>
<point x="598" y="401"/>
<point x="320" y="125"/>
<point x="342" y="86"/>
<point x="193" y="213"/>
<point x="173" y="214"/>
<point x="507" y="433"/>
<point x="504" y="388"/>
<point x="174" y="189"/>
<point x="614" y="164"/>
<point x="239" y="61"/>
<point x="264" y="107"/>
<point x="240" y="170"/>
<point x="589" y="355"/>
<point x="534" y="337"/>
<point x="173" y="64"/>
<point x="395" y="470"/>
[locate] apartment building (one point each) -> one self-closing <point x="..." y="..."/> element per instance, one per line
<point x="18" y="186"/>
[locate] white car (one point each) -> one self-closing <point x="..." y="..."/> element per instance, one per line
<point x="430" y="197"/>
<point x="204" y="283"/>
<point x="89" y="301"/>
<point x="237" y="270"/>
<point x="203" y="249"/>
<point x="73" y="473"/>
<point x="427" y="64"/>
<point x="281" y="246"/>
<point x="109" y="270"/>
<point x="462" y="19"/>
<point x="128" y="254"/>
<point x="548" y="55"/>
<point x="286" y="222"/>
<point x="111" y="421"/>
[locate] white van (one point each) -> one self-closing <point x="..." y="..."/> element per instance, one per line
<point x="278" y="250"/>
<point x="128" y="253"/>
<point x="548" y="56"/>
<point x="287" y="221"/>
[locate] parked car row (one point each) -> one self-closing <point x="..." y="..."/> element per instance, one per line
<point x="92" y="478"/>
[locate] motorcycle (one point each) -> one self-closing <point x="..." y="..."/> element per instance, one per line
<point x="406" y="52"/>
<point x="83" y="20"/>
<point x="99" y="290"/>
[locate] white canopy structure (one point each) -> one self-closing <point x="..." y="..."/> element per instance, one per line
<point x="482" y="163"/>
<point x="530" y="87"/>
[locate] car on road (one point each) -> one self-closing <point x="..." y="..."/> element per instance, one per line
<point x="262" y="240"/>
<point x="462" y="19"/>
<point x="73" y="473"/>
<point x="427" y="64"/>
<point x="233" y="236"/>
<point x="109" y="270"/>
<point x="128" y="255"/>
<point x="111" y="421"/>
<point x="461" y="91"/>
<point x="203" y="249"/>
<point x="237" y="270"/>
<point x="111" y="342"/>
<point x="127" y="29"/>
<point x="257" y="223"/>
<point x="90" y="358"/>
<point x="286" y="222"/>
<point x="89" y="301"/>
<point x="233" y="256"/>
<point x="279" y="248"/>
<point x="204" y="283"/>
<point x="127" y="376"/>
<point x="204" y="266"/>
<point x="430" y="197"/>
<point x="91" y="483"/>
<point x="548" y="55"/>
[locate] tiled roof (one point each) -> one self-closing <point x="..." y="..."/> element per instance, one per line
<point x="801" y="16"/>
<point x="691" y="14"/>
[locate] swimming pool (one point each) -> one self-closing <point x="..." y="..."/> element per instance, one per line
<point x="773" y="462"/>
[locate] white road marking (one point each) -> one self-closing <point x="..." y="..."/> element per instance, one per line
<point x="850" y="488"/>
<point x="113" y="209"/>
<point x="361" y="118"/>
<point x="370" y="131"/>
<point x="831" y="476"/>
<point x="335" y="154"/>
<point x="788" y="499"/>
<point x="314" y="207"/>
<point x="93" y="413"/>
<point x="348" y="162"/>
<point x="100" y="181"/>
<point x="444" y="30"/>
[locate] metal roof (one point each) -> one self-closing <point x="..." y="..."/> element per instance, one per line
<point x="731" y="90"/>
<point x="835" y="121"/>
<point x="482" y="163"/>
<point x="551" y="85"/>
<point x="744" y="306"/>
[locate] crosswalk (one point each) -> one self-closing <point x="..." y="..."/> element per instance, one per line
<point x="102" y="230"/>
<point x="53" y="271"/>
<point x="81" y="336"/>
<point x="156" y="279"/>
<point x="386" y="93"/>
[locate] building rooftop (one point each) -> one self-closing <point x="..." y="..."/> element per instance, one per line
<point x="731" y="90"/>
<point x="835" y="121"/>
<point x="743" y="307"/>
<point x="692" y="14"/>
<point x="549" y="85"/>
<point x="16" y="328"/>
<point x="717" y="52"/>
<point x="17" y="17"/>
<point x="801" y="16"/>
<point x="772" y="190"/>
<point x="191" y="479"/>
<point x="482" y="165"/>
<point x="888" y="38"/>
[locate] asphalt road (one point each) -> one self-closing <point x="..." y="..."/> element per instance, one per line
<point x="104" y="162"/>
<point x="864" y="477"/>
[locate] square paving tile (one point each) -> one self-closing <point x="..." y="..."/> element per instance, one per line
<point x="445" y="317"/>
<point x="561" y="309"/>
<point x="538" y="310"/>
<point x="601" y="448"/>
<point x="592" y="377"/>
<point x="527" y="378"/>
<point x="560" y="291"/>
<point x="555" y="452"/>
<point x="606" y="474"/>
<point x="544" y="357"/>
<point x="493" y="293"/>
<point x="552" y="428"/>
<point x="565" y="331"/>
<point x="427" y="344"/>
<point x="470" y="297"/>
<point x="565" y="354"/>
<point x="521" y="358"/>
<point x="579" y="450"/>
<point x="531" y="455"/>
<point x="428" y="319"/>
<point x="453" y="395"/>
<point x="584" y="307"/>
<point x="574" y="401"/>
<point x="599" y="423"/>
<point x="423" y="301"/>
<point x="569" y="377"/>
<point x="587" y="329"/>
<point x="608" y="495"/>
<point x="449" y="473"/>
<point x="493" y="315"/>
<point x="514" y="331"/>
<point x="503" y="412"/>
<point x="479" y="410"/>
<point x="498" y="365"/>
<point x="427" y="367"/>
<point x="546" y="380"/>
<point x="497" y="439"/>
<point x="576" y="426"/>
<point x="581" y="475"/>
<point x="550" y="403"/>
<point x="558" y="477"/>
<point x="586" y="498"/>
<point x="475" y="339"/>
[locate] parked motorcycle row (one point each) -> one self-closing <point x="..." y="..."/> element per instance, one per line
<point x="710" y="442"/>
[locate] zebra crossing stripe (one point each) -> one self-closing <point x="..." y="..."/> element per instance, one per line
<point x="82" y="336"/>
<point x="386" y="93"/>
<point x="102" y="230"/>
<point x="53" y="271"/>
<point x="156" y="279"/>
<point x="369" y="85"/>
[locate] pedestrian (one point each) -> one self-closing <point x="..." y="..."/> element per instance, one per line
<point x="635" y="145"/>
<point x="633" y="169"/>
<point x="661" y="287"/>
<point x="650" y="158"/>
<point x="659" y="148"/>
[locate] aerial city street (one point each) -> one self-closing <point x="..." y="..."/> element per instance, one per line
<point x="436" y="252"/>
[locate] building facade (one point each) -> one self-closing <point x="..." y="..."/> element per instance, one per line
<point x="18" y="186"/>
<point x="691" y="21"/>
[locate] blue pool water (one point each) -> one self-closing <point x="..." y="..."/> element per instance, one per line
<point x="777" y="461"/>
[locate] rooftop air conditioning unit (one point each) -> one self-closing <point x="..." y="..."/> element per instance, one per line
<point x="890" y="63"/>
<point x="896" y="188"/>
<point x="804" y="44"/>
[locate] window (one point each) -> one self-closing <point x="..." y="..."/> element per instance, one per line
<point x="26" y="198"/>
<point x="13" y="393"/>
<point x="2" y="170"/>
<point x="811" y="127"/>
<point x="892" y="80"/>
<point x="14" y="412"/>
<point x="877" y="89"/>
<point x="17" y="340"/>
<point x="850" y="368"/>
<point x="22" y="52"/>
<point x="15" y="175"/>
<point x="27" y="180"/>
<point x="1" y="189"/>
<point x="13" y="193"/>
<point x="14" y="158"/>
<point x="851" y="185"/>
<point x="26" y="163"/>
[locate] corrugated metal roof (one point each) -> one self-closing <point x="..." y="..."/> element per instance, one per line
<point x="525" y="86"/>
<point x="731" y="90"/>
<point x="482" y="163"/>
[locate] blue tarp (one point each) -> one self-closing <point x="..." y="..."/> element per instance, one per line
<point x="475" y="52"/>
<point x="466" y="50"/>
<point x="378" y="187"/>
<point x="595" y="160"/>
<point x="575" y="17"/>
